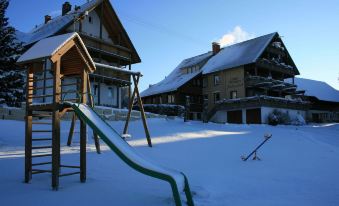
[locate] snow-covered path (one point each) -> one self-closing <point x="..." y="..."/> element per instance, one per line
<point x="299" y="167"/>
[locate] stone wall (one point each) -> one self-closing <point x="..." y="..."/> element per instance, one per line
<point x="111" y="114"/>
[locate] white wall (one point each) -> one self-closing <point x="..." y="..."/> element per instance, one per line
<point x="219" y="117"/>
<point x="93" y="28"/>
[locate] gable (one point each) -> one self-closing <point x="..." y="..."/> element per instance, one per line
<point x="113" y="29"/>
<point x="91" y="27"/>
<point x="238" y="54"/>
<point x="277" y="54"/>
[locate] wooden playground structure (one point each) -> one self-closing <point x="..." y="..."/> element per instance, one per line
<point x="64" y="62"/>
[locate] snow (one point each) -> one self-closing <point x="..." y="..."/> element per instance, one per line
<point x="49" y="46"/>
<point x="127" y="150"/>
<point x="319" y="89"/>
<point x="46" y="47"/>
<point x="297" y="168"/>
<point x="53" y="26"/>
<point x="238" y="54"/>
<point x="232" y="56"/>
<point x="176" y="78"/>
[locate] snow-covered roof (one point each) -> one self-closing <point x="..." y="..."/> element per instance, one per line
<point x="49" y="46"/>
<point x="238" y="54"/>
<point x="177" y="78"/>
<point x="55" y="25"/>
<point x="320" y="90"/>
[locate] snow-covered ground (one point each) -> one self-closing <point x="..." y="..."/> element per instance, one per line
<point x="299" y="166"/>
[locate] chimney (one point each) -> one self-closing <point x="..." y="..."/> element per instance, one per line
<point x="66" y="7"/>
<point x="47" y="18"/>
<point x="215" y="48"/>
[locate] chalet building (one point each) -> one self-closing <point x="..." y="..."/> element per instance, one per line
<point x="324" y="100"/>
<point x="184" y="80"/>
<point x="241" y="83"/>
<point x="106" y="40"/>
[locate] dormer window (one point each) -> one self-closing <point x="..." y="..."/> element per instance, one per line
<point x="189" y="70"/>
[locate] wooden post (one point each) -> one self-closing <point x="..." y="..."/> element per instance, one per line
<point x="91" y="101"/>
<point x="83" y="132"/>
<point x="143" y="116"/>
<point x="56" y="126"/>
<point x="130" y="106"/>
<point x="187" y="108"/>
<point x="71" y="130"/>
<point x="28" y="126"/>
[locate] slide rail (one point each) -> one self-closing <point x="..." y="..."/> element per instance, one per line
<point x="140" y="168"/>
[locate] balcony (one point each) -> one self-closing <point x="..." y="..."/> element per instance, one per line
<point x="277" y="66"/>
<point x="270" y="84"/>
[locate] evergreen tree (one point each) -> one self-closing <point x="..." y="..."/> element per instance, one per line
<point x="11" y="78"/>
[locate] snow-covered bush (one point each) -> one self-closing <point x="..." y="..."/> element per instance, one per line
<point x="298" y="120"/>
<point x="164" y="109"/>
<point x="278" y="117"/>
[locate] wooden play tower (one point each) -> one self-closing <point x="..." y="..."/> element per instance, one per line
<point x="57" y="72"/>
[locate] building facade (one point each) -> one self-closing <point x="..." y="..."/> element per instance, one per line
<point x="241" y="83"/>
<point x="105" y="38"/>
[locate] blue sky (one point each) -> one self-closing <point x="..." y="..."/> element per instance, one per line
<point x="166" y="32"/>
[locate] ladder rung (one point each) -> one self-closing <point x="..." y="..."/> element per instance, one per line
<point x="41" y="155"/>
<point x="41" y="115"/>
<point x="39" y="88"/>
<point x="68" y="174"/>
<point x="69" y="92"/>
<point x="42" y="131"/>
<point x="69" y="166"/>
<point x="69" y="100"/>
<point x="41" y="79"/>
<point x="69" y="84"/>
<point x="38" y="171"/>
<point x="41" y="96"/>
<point x="41" y="163"/>
<point x="41" y="122"/>
<point x="41" y="139"/>
<point x="42" y="147"/>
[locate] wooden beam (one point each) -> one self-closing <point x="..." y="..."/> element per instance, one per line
<point x="80" y="50"/>
<point x="28" y="128"/>
<point x="83" y="132"/>
<point x="91" y="101"/>
<point x="143" y="116"/>
<point x="130" y="106"/>
<point x="62" y="51"/>
<point x="71" y="130"/>
<point x="56" y="126"/>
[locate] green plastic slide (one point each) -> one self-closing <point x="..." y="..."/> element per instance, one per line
<point x="130" y="156"/>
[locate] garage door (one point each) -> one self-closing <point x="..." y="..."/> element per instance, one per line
<point x="253" y="116"/>
<point x="234" y="117"/>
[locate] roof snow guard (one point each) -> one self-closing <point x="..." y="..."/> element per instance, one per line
<point x="57" y="46"/>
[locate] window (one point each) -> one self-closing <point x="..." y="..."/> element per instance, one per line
<point x="170" y="98"/>
<point x="216" y="97"/>
<point x="233" y="95"/>
<point x="204" y="82"/>
<point x="216" y="79"/>
<point x="90" y="20"/>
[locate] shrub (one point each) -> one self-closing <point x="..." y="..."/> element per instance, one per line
<point x="163" y="109"/>
<point x="278" y="117"/>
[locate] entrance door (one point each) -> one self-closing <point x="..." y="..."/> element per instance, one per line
<point x="253" y="116"/>
<point x="234" y="117"/>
